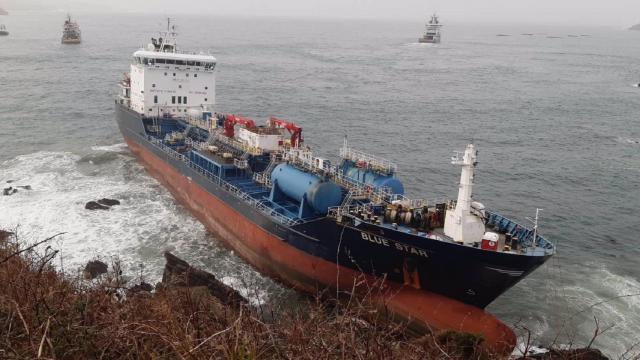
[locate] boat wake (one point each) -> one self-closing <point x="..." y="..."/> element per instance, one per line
<point x="421" y="45"/>
<point x="147" y="222"/>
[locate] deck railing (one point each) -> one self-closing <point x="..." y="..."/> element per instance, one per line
<point x="232" y="189"/>
<point x="524" y="234"/>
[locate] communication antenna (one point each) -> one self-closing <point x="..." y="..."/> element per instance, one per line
<point x="535" y="227"/>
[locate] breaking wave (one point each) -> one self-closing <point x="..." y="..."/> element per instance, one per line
<point x="628" y="140"/>
<point x="137" y="232"/>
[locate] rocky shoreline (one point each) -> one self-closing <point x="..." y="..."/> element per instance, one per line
<point x="191" y="314"/>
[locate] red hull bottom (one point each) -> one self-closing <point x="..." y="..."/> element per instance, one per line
<point x="276" y="258"/>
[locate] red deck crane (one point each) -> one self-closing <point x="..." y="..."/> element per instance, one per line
<point x="230" y="121"/>
<point x="294" y="130"/>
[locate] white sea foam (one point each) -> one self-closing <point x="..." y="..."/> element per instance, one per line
<point x="147" y="222"/>
<point x="609" y="297"/>
<point x="628" y="140"/>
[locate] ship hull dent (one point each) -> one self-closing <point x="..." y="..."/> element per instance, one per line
<point x="274" y="256"/>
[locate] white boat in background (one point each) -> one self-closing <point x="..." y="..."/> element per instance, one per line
<point x="71" y="32"/>
<point x="432" y="31"/>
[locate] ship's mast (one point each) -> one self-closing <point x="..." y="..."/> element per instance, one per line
<point x="460" y="223"/>
<point x="535" y="227"/>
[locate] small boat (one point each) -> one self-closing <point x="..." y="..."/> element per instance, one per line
<point x="432" y="31"/>
<point x="3" y="30"/>
<point x="71" y="32"/>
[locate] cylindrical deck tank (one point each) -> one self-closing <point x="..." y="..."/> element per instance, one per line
<point x="374" y="179"/>
<point x="297" y="184"/>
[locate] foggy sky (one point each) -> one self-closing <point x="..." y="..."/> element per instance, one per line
<point x="615" y="13"/>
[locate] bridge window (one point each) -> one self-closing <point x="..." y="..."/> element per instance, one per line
<point x="160" y="61"/>
<point x="195" y="75"/>
<point x="174" y="74"/>
<point x="145" y="61"/>
<point x="191" y="63"/>
<point x="179" y="100"/>
<point x="206" y="88"/>
<point x="153" y="85"/>
<point x="184" y="100"/>
<point x="198" y="63"/>
<point x="155" y="99"/>
<point x="205" y="99"/>
<point x="180" y="62"/>
<point x="170" y="62"/>
<point x="187" y="75"/>
<point x="173" y="99"/>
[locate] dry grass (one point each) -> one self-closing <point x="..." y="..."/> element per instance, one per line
<point x="46" y="315"/>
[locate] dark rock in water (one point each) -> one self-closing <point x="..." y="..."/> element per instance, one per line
<point x="25" y="187"/>
<point x="10" y="181"/>
<point x="575" y="354"/>
<point x="4" y="235"/>
<point x="92" y="205"/>
<point x="94" y="269"/>
<point x="142" y="287"/>
<point x="178" y="272"/>
<point x="108" y="202"/>
<point x="9" y="191"/>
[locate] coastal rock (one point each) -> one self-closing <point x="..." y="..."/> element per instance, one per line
<point x="94" y="205"/>
<point x="4" y="235"/>
<point x="178" y="272"/>
<point x="574" y="354"/>
<point x="142" y="287"/>
<point x="9" y="191"/>
<point x="108" y="202"/>
<point x="94" y="269"/>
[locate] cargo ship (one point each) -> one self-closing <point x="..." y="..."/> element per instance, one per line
<point x="432" y="31"/>
<point x="313" y="223"/>
<point x="71" y="32"/>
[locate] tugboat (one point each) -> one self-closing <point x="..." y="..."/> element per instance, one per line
<point x="314" y="223"/>
<point x="71" y="32"/>
<point x="3" y="30"/>
<point x="432" y="31"/>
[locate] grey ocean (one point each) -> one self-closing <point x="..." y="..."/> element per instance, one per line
<point x="555" y="119"/>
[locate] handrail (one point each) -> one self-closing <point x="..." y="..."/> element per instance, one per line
<point x="523" y="233"/>
<point x="232" y="189"/>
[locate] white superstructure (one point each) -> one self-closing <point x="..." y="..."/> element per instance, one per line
<point x="464" y="223"/>
<point x="166" y="81"/>
<point x="432" y="31"/>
